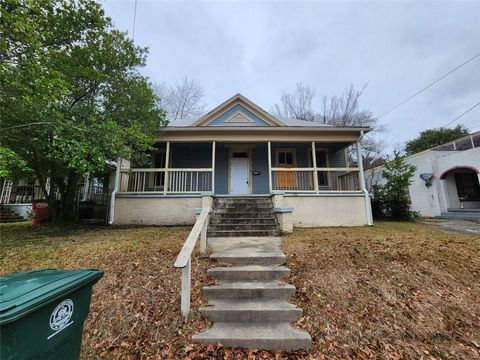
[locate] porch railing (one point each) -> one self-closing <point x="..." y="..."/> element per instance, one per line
<point x="315" y="180"/>
<point x="172" y="180"/>
<point x="184" y="258"/>
<point x="21" y="194"/>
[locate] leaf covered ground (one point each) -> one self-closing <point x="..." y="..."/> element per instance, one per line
<point x="395" y="290"/>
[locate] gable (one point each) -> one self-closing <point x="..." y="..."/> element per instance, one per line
<point x="236" y="112"/>
<point x="237" y="116"/>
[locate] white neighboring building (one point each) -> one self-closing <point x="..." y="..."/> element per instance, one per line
<point x="447" y="179"/>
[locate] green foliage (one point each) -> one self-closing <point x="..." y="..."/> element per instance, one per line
<point x="71" y="94"/>
<point x="391" y="201"/>
<point x="12" y="166"/>
<point x="434" y="137"/>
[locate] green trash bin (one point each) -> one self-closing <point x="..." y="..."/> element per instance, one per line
<point x="42" y="313"/>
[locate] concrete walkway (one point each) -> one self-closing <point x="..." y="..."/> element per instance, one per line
<point x="455" y="226"/>
<point x="249" y="307"/>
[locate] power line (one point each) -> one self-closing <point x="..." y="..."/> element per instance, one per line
<point x="134" y="20"/>
<point x="459" y="116"/>
<point x="428" y="86"/>
<point x="451" y="122"/>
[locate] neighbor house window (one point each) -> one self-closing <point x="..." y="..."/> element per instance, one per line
<point x="158" y="178"/>
<point x="468" y="188"/>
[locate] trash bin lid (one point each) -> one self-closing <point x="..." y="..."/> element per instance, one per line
<point x="24" y="292"/>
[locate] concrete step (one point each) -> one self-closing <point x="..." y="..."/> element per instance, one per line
<point x="460" y="215"/>
<point x="268" y="336"/>
<point x="245" y="204"/>
<point x="241" y="212"/>
<point x="236" y="220"/>
<point x="242" y="227"/>
<point x="10" y="216"/>
<point x="249" y="273"/>
<point x="249" y="290"/>
<point x="246" y="258"/>
<point x="251" y="311"/>
<point x="4" y="220"/>
<point x="238" y="233"/>
<point x="221" y="202"/>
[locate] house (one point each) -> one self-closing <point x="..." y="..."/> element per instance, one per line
<point x="17" y="196"/>
<point x="238" y="150"/>
<point x="446" y="182"/>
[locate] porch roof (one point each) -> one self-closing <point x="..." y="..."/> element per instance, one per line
<point x="259" y="134"/>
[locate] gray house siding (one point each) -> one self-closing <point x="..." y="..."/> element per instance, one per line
<point x="191" y="155"/>
<point x="260" y="165"/>
<point x="221" y="120"/>
<point x="221" y="169"/>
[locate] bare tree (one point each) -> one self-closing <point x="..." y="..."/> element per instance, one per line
<point x="343" y="110"/>
<point x="296" y="104"/>
<point x="182" y="100"/>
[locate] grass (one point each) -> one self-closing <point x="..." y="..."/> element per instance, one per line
<point x="394" y="290"/>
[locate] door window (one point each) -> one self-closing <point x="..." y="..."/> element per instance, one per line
<point x="158" y="178"/>
<point x="240" y="155"/>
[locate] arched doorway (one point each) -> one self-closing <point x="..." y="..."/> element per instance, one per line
<point x="463" y="187"/>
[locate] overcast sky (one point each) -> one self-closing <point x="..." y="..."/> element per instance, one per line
<point x="261" y="48"/>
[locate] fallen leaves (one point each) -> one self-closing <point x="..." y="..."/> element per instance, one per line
<point x="392" y="291"/>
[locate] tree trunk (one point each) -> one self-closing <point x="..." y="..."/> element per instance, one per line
<point x="63" y="210"/>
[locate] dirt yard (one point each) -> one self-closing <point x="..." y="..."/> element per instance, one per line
<point x="392" y="291"/>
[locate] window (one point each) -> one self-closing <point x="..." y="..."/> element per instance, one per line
<point x="158" y="178"/>
<point x="285" y="158"/>
<point x="468" y="188"/>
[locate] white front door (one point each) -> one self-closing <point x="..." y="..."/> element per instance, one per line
<point x="239" y="176"/>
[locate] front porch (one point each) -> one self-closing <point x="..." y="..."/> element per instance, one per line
<point x="227" y="168"/>
<point x="310" y="183"/>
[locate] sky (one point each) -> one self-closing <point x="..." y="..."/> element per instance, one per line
<point x="260" y="49"/>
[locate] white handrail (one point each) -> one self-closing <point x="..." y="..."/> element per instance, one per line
<point x="184" y="258"/>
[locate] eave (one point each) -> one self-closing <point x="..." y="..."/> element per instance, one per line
<point x="262" y="134"/>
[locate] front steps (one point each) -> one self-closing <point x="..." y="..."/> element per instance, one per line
<point x="461" y="214"/>
<point x="246" y="216"/>
<point x="8" y="215"/>
<point x="249" y="306"/>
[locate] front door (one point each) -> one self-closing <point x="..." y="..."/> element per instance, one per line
<point x="239" y="173"/>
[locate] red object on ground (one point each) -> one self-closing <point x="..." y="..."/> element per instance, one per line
<point x="40" y="211"/>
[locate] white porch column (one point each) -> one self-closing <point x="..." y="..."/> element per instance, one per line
<point x="167" y="163"/>
<point x="269" y="167"/>
<point x="213" y="167"/>
<point x="314" y="160"/>
<point x="368" y="208"/>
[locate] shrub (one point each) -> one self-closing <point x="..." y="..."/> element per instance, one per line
<point x="391" y="201"/>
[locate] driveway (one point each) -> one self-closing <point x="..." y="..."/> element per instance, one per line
<point x="455" y="225"/>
